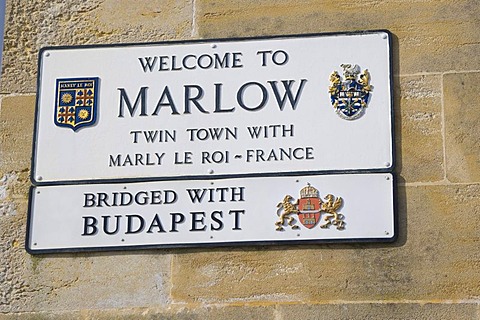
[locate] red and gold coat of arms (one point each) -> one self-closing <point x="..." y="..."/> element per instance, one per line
<point x="309" y="209"/>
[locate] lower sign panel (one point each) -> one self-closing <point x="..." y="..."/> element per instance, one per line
<point x="273" y="210"/>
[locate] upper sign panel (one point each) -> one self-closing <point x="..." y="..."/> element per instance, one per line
<point x="312" y="103"/>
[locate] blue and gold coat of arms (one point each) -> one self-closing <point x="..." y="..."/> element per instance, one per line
<point x="76" y="102"/>
<point x="350" y="97"/>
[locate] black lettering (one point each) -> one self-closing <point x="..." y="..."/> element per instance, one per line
<point x="148" y="63"/>
<point x="141" y="198"/>
<point x="202" y="58"/>
<point x="89" y="226"/>
<point x="135" y="138"/>
<point x="222" y="63"/>
<point x="218" y="99"/>
<point x="170" y="196"/>
<point x="102" y="198"/>
<point x="253" y="108"/>
<point x="217" y="220"/>
<point x="126" y="199"/>
<point x="177" y="218"/>
<point x="174" y="64"/>
<point x="196" y="195"/>
<point x="277" y="61"/>
<point x="170" y="103"/>
<point x="156" y="197"/>
<point x="189" y="98"/>
<point x="264" y="56"/>
<point x="130" y="223"/>
<point x="196" y="220"/>
<point x="237" y="218"/>
<point x="114" y="162"/>
<point x="141" y="99"/>
<point x="237" y="195"/>
<point x="105" y="224"/>
<point x="156" y="223"/>
<point x="184" y="62"/>
<point x="237" y="63"/>
<point x="162" y="63"/>
<point x="288" y="93"/>
<point x="89" y="200"/>
<point x="150" y="135"/>
<point x="309" y="151"/>
<point x="222" y="193"/>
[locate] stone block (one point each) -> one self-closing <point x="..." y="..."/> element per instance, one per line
<point x="72" y="315"/>
<point x="418" y="120"/>
<point x="380" y="311"/>
<point x="14" y="285"/>
<point x="31" y="25"/>
<point x="99" y="281"/>
<point x="67" y="282"/>
<point x="194" y="312"/>
<point x="435" y="258"/>
<point x="438" y="256"/>
<point x="437" y="35"/>
<point x="16" y="127"/>
<point x="462" y="130"/>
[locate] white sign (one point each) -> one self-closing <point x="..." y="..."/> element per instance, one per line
<point x="218" y="212"/>
<point x="307" y="104"/>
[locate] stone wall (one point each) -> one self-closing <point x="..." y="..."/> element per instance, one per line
<point x="431" y="272"/>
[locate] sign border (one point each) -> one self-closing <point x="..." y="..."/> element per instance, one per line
<point x="341" y="241"/>
<point x="36" y="181"/>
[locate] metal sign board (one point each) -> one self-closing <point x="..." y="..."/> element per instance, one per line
<point x="301" y="104"/>
<point x="271" y="210"/>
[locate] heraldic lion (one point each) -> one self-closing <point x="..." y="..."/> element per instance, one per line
<point x="288" y="209"/>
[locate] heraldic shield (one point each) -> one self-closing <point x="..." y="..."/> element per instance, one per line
<point x="309" y="206"/>
<point x="76" y="102"/>
<point x="350" y="97"/>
